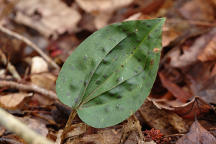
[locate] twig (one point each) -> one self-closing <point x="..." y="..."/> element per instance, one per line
<point x="14" y="125"/>
<point x="10" y="67"/>
<point x="31" y="87"/>
<point x="31" y="44"/>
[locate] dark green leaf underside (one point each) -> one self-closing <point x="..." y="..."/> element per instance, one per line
<point x="110" y="74"/>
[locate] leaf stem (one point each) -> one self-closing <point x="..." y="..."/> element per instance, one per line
<point x="68" y="124"/>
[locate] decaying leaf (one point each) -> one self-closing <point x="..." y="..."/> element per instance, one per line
<point x="189" y="56"/>
<point x="198" y="10"/>
<point x="193" y="108"/>
<point x="102" y="9"/>
<point x="35" y="125"/>
<point x="110" y="136"/>
<point x="166" y="121"/>
<point x="197" y="135"/>
<point x="13" y="101"/>
<point x="44" y="80"/>
<point x="209" y="52"/>
<point x="92" y="6"/>
<point x="76" y="130"/>
<point x="49" y="18"/>
<point x="107" y="78"/>
<point x="177" y="92"/>
<point x="132" y="131"/>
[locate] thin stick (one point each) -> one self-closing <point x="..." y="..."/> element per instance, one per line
<point x="10" y="67"/>
<point x="68" y="124"/>
<point x="12" y="124"/>
<point x="31" y="44"/>
<point x="31" y="87"/>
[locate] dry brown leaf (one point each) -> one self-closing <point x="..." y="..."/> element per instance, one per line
<point x="133" y="138"/>
<point x="178" y="92"/>
<point x="107" y="136"/>
<point x="171" y="30"/>
<point x="13" y="101"/>
<point x="202" y="78"/>
<point x="132" y="131"/>
<point x="92" y="6"/>
<point x="193" y="108"/>
<point x="188" y="110"/>
<point x="209" y="52"/>
<point x="76" y="130"/>
<point x="49" y="18"/>
<point x="197" y="135"/>
<point x="198" y="10"/>
<point x="102" y="9"/>
<point x="44" y="80"/>
<point x="189" y="56"/>
<point x="36" y="125"/>
<point x="167" y="122"/>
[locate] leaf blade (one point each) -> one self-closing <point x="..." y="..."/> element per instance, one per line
<point x="129" y="77"/>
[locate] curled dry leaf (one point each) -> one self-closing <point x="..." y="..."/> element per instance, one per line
<point x="197" y="135"/>
<point x="188" y="110"/>
<point x="13" y="101"/>
<point x="180" y="102"/>
<point x="193" y="108"/>
<point x="49" y="18"/>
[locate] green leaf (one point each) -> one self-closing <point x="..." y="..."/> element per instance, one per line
<point x="107" y="78"/>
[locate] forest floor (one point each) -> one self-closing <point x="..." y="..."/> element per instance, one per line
<point x="36" y="37"/>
